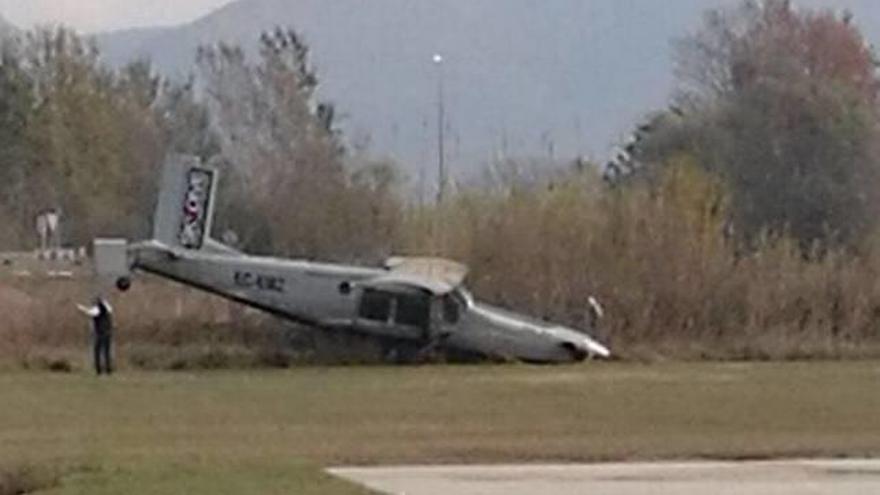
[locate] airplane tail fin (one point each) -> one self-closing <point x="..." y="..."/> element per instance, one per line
<point x="185" y="210"/>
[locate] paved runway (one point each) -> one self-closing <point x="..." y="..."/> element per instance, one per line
<point x="718" y="478"/>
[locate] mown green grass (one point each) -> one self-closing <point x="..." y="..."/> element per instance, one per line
<point x="267" y="432"/>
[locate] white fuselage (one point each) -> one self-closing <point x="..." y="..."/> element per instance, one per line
<point x="333" y="296"/>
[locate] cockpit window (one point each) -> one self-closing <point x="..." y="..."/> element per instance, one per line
<point x="451" y="309"/>
<point x="413" y="310"/>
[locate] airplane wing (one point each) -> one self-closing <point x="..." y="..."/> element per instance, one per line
<point x="396" y="280"/>
<point x="429" y="271"/>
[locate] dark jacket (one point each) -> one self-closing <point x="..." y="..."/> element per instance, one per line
<point x="103" y="322"/>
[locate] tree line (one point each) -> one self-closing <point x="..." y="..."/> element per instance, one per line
<point x="89" y="140"/>
<point x="739" y="223"/>
<point x="782" y="105"/>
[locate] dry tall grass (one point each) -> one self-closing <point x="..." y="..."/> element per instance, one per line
<point x="658" y="256"/>
<point x="159" y="325"/>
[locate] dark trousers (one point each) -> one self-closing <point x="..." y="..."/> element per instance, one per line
<point x="103" y="356"/>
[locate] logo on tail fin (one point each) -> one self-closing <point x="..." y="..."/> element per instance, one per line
<point x="196" y="202"/>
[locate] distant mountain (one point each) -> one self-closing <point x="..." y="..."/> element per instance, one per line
<point x="524" y="77"/>
<point x="6" y="27"/>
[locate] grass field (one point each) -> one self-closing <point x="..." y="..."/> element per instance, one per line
<point x="268" y="432"/>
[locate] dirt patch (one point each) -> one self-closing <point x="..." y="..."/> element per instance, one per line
<point x="22" y="480"/>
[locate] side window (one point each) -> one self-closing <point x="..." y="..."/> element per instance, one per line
<point x="451" y="310"/>
<point x="375" y="306"/>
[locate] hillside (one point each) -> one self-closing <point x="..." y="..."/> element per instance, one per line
<point x="6" y="27"/>
<point x="525" y="77"/>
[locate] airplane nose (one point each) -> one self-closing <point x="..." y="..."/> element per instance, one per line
<point x="597" y="349"/>
<point x="582" y="346"/>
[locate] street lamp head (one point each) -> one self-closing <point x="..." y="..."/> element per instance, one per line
<point x="438" y="59"/>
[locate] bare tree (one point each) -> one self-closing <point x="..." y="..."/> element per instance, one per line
<point x="284" y="153"/>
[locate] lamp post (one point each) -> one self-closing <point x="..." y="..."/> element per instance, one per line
<point x="441" y="138"/>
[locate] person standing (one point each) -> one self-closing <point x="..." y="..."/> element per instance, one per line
<point x="101" y="314"/>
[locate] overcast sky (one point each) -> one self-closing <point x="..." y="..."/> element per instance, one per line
<point x="103" y="15"/>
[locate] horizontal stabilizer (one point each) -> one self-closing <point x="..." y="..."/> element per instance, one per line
<point x="111" y="258"/>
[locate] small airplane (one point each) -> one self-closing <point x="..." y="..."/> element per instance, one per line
<point x="418" y="303"/>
